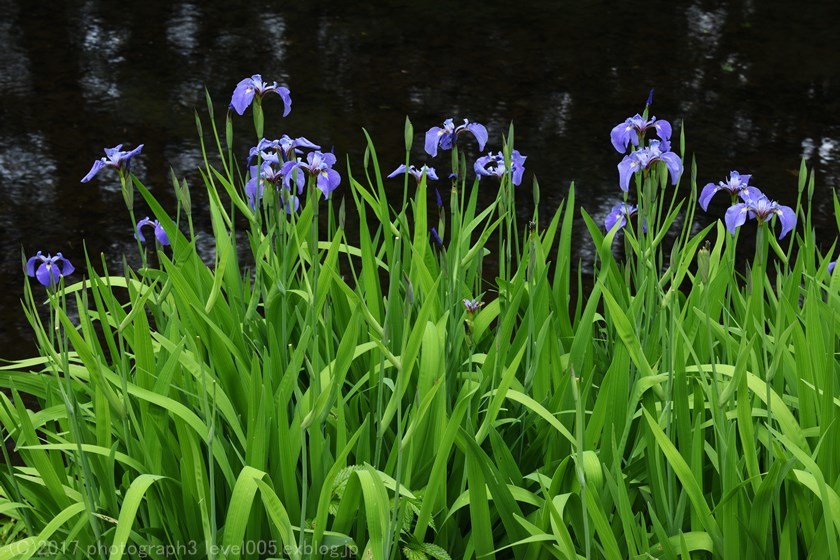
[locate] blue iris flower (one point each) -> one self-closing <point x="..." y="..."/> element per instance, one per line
<point x="51" y="269"/>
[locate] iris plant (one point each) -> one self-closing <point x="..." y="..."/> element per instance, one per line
<point x="445" y="137"/>
<point x="645" y="158"/>
<point x="620" y="214"/>
<point x="632" y="131"/>
<point x="735" y="184"/>
<point x="318" y="165"/>
<point x="115" y="158"/>
<point x="756" y="205"/>
<point x="247" y="89"/>
<point x="493" y="165"/>
<point x="160" y="234"/>
<point x="430" y="173"/>
<point x="51" y="269"/>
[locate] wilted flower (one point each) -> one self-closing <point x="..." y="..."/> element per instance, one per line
<point x="317" y="165"/>
<point x="447" y="136"/>
<point x="757" y="205"/>
<point x="644" y="158"/>
<point x="284" y="148"/>
<point x="430" y="173"/>
<point x="493" y="165"/>
<point x="51" y="270"/>
<point x="248" y="88"/>
<point x="634" y="128"/>
<point x="160" y="234"/>
<point x="114" y="158"/>
<point x="734" y="185"/>
<point x="473" y="305"/>
<point x="619" y="214"/>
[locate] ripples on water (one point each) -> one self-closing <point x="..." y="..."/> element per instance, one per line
<point x="758" y="85"/>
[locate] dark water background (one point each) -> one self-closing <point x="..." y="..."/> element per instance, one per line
<point x="757" y="83"/>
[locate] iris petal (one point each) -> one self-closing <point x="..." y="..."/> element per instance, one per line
<point x="97" y="165"/>
<point x="735" y="216"/>
<point x="706" y="195"/>
<point x="480" y="133"/>
<point x="787" y="217"/>
<point x="432" y="137"/>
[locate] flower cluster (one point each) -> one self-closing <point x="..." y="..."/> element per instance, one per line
<point x="747" y="202"/>
<point x="641" y="159"/>
<point x="632" y="132"/>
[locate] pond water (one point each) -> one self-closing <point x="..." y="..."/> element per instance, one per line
<point x="757" y="84"/>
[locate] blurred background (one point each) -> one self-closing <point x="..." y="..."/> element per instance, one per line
<point x="756" y="83"/>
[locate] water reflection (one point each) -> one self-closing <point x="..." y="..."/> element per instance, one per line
<point x="79" y="77"/>
<point x="101" y="55"/>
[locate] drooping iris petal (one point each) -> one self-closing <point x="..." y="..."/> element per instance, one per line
<point x="30" y="264"/>
<point x="243" y="95"/>
<point x="328" y="181"/>
<point x="706" y="195"/>
<point x="66" y="268"/>
<point x="621" y="135"/>
<point x="48" y="274"/>
<point x="735" y="216"/>
<point x="432" y="138"/>
<point x="479" y="131"/>
<point x="787" y="217"/>
<point x="398" y="171"/>
<point x="285" y="95"/>
<point x="674" y="165"/>
<point x="616" y="216"/>
<point x="626" y="168"/>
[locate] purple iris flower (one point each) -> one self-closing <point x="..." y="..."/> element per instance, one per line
<point x="119" y="160"/>
<point x="644" y="158"/>
<point x="447" y="136"/>
<point x="620" y="214"/>
<point x="268" y="173"/>
<point x="431" y="175"/>
<point x="51" y="269"/>
<point x="317" y="165"/>
<point x="493" y="165"/>
<point x="734" y="185"/>
<point x="473" y="305"/>
<point x="160" y="234"/>
<point x="438" y="241"/>
<point x="831" y="266"/>
<point x="633" y="130"/>
<point x="757" y="205"/>
<point x="284" y="147"/>
<point x="248" y="88"/>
